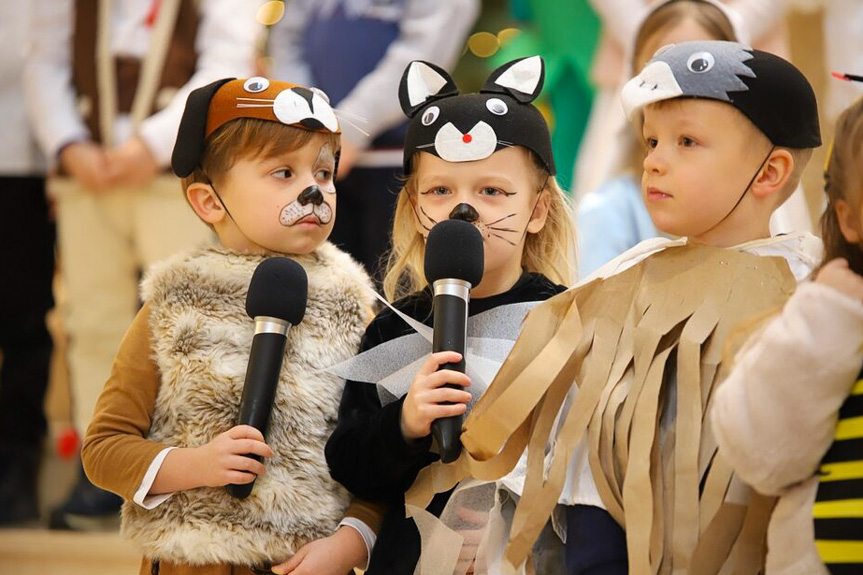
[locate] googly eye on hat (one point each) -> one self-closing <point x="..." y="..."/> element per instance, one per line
<point x="210" y="107"/>
<point x="768" y="90"/>
<point x="468" y="127"/>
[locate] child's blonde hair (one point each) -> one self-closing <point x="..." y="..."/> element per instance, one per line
<point x="547" y="252"/>
<point x="843" y="180"/>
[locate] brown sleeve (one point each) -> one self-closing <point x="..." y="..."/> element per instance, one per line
<point x="372" y="514"/>
<point x="116" y="454"/>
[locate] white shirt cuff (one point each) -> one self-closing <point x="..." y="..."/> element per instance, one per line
<point x="365" y="532"/>
<point x="142" y="495"/>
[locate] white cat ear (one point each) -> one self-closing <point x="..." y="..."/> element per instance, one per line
<point x="422" y="82"/>
<point x="522" y="79"/>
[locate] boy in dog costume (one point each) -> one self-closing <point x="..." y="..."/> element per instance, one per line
<point x="258" y="160"/>
<point x="608" y="384"/>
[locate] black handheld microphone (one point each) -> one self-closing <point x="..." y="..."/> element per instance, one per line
<point x="453" y="264"/>
<point x="276" y="300"/>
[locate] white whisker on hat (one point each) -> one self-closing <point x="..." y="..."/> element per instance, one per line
<point x="357" y="128"/>
<point x="353" y="115"/>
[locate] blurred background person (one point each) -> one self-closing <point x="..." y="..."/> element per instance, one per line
<point x="27" y="256"/>
<point x="106" y="83"/>
<point x="565" y="33"/>
<point x="764" y="21"/>
<point x="355" y="51"/>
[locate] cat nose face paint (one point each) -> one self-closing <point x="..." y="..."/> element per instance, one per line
<point x="497" y="228"/>
<point x="464" y="212"/>
<point x="310" y="207"/>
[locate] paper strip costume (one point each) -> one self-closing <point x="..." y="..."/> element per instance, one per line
<point x="626" y="365"/>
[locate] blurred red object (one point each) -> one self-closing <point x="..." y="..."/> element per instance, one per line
<point x="67" y="443"/>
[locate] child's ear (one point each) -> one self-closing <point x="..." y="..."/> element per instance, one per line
<point x="540" y="213"/>
<point x="775" y="173"/>
<point x="203" y="200"/>
<point x="849" y="221"/>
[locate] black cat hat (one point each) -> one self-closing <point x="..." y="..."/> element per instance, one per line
<point x="467" y="127"/>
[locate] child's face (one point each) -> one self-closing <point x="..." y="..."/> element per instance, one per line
<point x="499" y="195"/>
<point x="285" y="203"/>
<point x="700" y="157"/>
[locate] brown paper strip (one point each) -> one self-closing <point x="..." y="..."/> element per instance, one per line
<point x="683" y="300"/>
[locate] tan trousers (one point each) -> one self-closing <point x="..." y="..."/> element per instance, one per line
<point x="105" y="241"/>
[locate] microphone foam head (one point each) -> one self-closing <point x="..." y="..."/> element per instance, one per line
<point x="454" y="249"/>
<point x="279" y="288"/>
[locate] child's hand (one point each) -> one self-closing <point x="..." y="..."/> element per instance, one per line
<point x="839" y="276"/>
<point x="223" y="460"/>
<point x="423" y="403"/>
<point x="333" y="555"/>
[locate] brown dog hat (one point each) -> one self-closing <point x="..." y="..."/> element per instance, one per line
<point x="212" y="106"/>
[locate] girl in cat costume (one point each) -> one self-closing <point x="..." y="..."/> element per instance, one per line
<point x="484" y="158"/>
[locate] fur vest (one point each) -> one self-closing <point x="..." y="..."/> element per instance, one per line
<point x="201" y="338"/>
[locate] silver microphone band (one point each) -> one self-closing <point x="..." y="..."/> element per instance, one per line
<point x="451" y="286"/>
<point x="265" y="324"/>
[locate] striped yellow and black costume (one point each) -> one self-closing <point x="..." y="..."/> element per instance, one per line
<point x="838" y="510"/>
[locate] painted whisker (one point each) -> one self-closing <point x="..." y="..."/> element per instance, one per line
<point x="500" y="220"/>
<point x="510" y="242"/>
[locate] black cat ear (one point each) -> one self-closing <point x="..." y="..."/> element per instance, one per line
<point x="191" y="134"/>
<point x="522" y="79"/>
<point x="421" y="83"/>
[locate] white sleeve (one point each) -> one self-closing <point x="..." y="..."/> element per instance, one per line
<point x="226" y="48"/>
<point x="51" y="100"/>
<point x="775" y="415"/>
<point x="365" y="532"/>
<point x="142" y="496"/>
<point x="433" y="31"/>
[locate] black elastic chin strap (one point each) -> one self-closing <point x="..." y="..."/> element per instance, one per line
<point x="755" y="175"/>
<point x="221" y="201"/>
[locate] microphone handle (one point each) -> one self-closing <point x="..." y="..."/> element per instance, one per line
<point x="450" y="334"/>
<point x="259" y="391"/>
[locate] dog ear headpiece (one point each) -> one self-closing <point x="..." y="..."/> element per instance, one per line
<point x="210" y="107"/>
<point x="768" y="90"/>
<point x="466" y="127"/>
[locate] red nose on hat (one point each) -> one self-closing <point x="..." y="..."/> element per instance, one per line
<point x="466" y="138"/>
